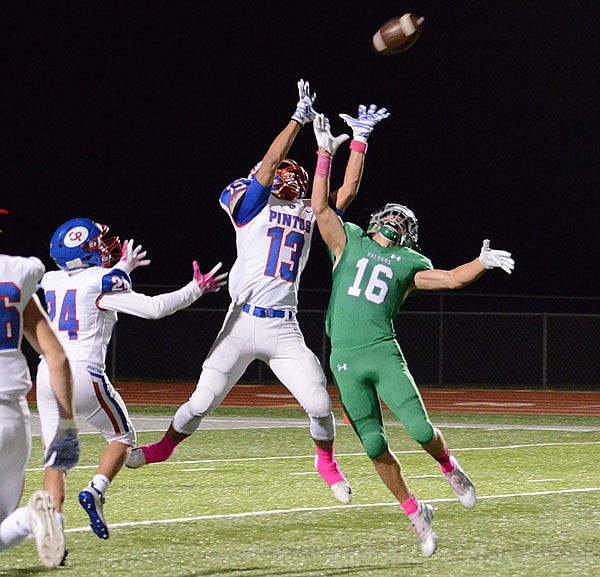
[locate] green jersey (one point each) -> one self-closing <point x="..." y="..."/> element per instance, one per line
<point x="369" y="286"/>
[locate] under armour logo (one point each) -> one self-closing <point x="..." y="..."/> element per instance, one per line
<point x="396" y="257"/>
<point x="343" y="367"/>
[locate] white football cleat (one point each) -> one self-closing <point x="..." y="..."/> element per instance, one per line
<point x="420" y="523"/>
<point x="46" y="529"/>
<point x="342" y="491"/>
<point x="136" y="459"/>
<point x="461" y="485"/>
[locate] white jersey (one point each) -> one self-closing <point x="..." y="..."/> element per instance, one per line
<point x="83" y="308"/>
<point x="272" y="251"/>
<point x="19" y="277"/>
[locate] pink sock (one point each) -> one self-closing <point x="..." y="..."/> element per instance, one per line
<point x="327" y="467"/>
<point x="410" y="506"/>
<point x="445" y="462"/>
<point x="158" y="452"/>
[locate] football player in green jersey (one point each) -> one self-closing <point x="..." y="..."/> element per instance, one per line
<point x="374" y="271"/>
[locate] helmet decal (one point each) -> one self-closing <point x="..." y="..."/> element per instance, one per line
<point x="76" y="236"/>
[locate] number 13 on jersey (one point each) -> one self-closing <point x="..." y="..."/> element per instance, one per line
<point x="293" y="240"/>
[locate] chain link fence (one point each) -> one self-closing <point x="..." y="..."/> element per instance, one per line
<point x="444" y="344"/>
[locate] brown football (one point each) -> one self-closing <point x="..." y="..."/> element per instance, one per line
<point x="397" y="34"/>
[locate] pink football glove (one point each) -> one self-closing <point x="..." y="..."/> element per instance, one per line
<point x="209" y="283"/>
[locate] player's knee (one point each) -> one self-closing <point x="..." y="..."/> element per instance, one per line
<point x="320" y="404"/>
<point x="208" y="393"/>
<point x="322" y="428"/>
<point x="422" y="431"/>
<point x="201" y="402"/>
<point x="375" y="444"/>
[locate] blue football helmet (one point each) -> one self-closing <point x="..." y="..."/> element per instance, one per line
<point x="397" y="223"/>
<point x="82" y="243"/>
<point x="290" y="182"/>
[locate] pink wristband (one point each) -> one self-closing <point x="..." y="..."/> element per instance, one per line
<point x="358" y="146"/>
<point x="323" y="165"/>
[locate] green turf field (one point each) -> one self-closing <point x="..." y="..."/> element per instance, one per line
<point x="247" y="503"/>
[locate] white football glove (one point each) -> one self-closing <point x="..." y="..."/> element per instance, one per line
<point x="490" y="258"/>
<point x="366" y="120"/>
<point x="323" y="135"/>
<point x="132" y="257"/>
<point x="304" y="108"/>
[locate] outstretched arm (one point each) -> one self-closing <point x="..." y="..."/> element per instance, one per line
<point x="361" y="126"/>
<point x="162" y="305"/>
<point x="279" y="148"/>
<point x="345" y="194"/>
<point x="329" y="223"/>
<point x="466" y="273"/>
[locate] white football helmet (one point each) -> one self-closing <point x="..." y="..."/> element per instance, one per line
<point x="397" y="223"/>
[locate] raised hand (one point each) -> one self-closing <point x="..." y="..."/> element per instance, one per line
<point x="490" y="258"/>
<point x="366" y="120"/>
<point x="63" y="452"/>
<point x="132" y="257"/>
<point x="304" y="107"/>
<point x="324" y="137"/>
<point x="209" y="283"/>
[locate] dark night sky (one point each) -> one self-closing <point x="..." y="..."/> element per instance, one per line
<point x="138" y="116"/>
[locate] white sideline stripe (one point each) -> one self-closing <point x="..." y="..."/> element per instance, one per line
<point x="329" y="508"/>
<point x="288" y="457"/>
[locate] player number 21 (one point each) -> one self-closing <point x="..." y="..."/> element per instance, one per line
<point x="377" y="288"/>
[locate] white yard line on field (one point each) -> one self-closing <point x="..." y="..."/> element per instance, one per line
<point x="329" y="508"/>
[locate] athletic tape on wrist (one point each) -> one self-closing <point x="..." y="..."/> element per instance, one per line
<point x="323" y="165"/>
<point x="358" y="146"/>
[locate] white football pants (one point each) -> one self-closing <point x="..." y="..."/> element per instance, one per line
<point x="275" y="341"/>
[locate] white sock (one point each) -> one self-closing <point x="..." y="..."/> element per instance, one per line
<point x="101" y="483"/>
<point x="15" y="528"/>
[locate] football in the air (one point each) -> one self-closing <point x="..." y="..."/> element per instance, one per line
<point x="397" y="34"/>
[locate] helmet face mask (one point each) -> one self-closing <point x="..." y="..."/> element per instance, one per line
<point x="82" y="243"/>
<point x="290" y="181"/>
<point x="396" y="223"/>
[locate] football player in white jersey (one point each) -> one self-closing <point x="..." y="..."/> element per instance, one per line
<point x="82" y="301"/>
<point x="21" y="315"/>
<point x="274" y="224"/>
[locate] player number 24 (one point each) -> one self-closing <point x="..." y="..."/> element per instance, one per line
<point x="377" y="288"/>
